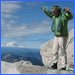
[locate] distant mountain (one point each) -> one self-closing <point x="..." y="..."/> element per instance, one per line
<point x="12" y="44"/>
<point x="15" y="54"/>
<point x="14" y="58"/>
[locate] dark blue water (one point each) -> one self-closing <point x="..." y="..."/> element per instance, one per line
<point x="13" y="54"/>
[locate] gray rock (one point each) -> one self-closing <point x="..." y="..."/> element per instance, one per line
<point x="20" y="68"/>
<point x="8" y="68"/>
<point x="12" y="68"/>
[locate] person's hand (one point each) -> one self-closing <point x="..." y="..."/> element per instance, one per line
<point x="67" y="9"/>
<point x="43" y="7"/>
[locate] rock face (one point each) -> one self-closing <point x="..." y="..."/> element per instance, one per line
<point x="26" y="67"/>
<point x="8" y="68"/>
<point x="21" y="67"/>
<point x="46" y="50"/>
<point x="12" y="68"/>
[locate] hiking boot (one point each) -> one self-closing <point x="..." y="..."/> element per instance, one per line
<point x="63" y="68"/>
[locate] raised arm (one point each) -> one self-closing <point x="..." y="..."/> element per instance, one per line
<point x="68" y="14"/>
<point x="47" y="12"/>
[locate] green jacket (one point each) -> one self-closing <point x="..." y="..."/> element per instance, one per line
<point x="59" y="26"/>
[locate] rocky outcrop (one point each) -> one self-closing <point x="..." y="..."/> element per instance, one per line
<point x="8" y="68"/>
<point x="21" y="67"/>
<point x="46" y="50"/>
<point x="12" y="68"/>
<point x="26" y="67"/>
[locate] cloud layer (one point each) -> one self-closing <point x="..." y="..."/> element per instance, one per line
<point x="11" y="30"/>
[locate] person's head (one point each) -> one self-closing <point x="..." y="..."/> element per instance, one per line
<point x="56" y="10"/>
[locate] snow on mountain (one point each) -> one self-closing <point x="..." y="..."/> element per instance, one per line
<point x="12" y="44"/>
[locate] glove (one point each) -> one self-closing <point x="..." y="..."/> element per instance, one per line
<point x="67" y="9"/>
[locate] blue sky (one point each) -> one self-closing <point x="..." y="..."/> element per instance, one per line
<point x="26" y="24"/>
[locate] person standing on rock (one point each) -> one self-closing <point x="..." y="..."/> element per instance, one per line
<point x="60" y="28"/>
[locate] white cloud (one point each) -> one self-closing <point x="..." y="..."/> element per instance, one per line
<point x="11" y="44"/>
<point x="7" y="17"/>
<point x="8" y="7"/>
<point x="11" y="30"/>
<point x="25" y="30"/>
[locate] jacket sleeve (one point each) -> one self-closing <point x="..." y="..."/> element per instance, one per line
<point x="47" y="12"/>
<point x="68" y="15"/>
